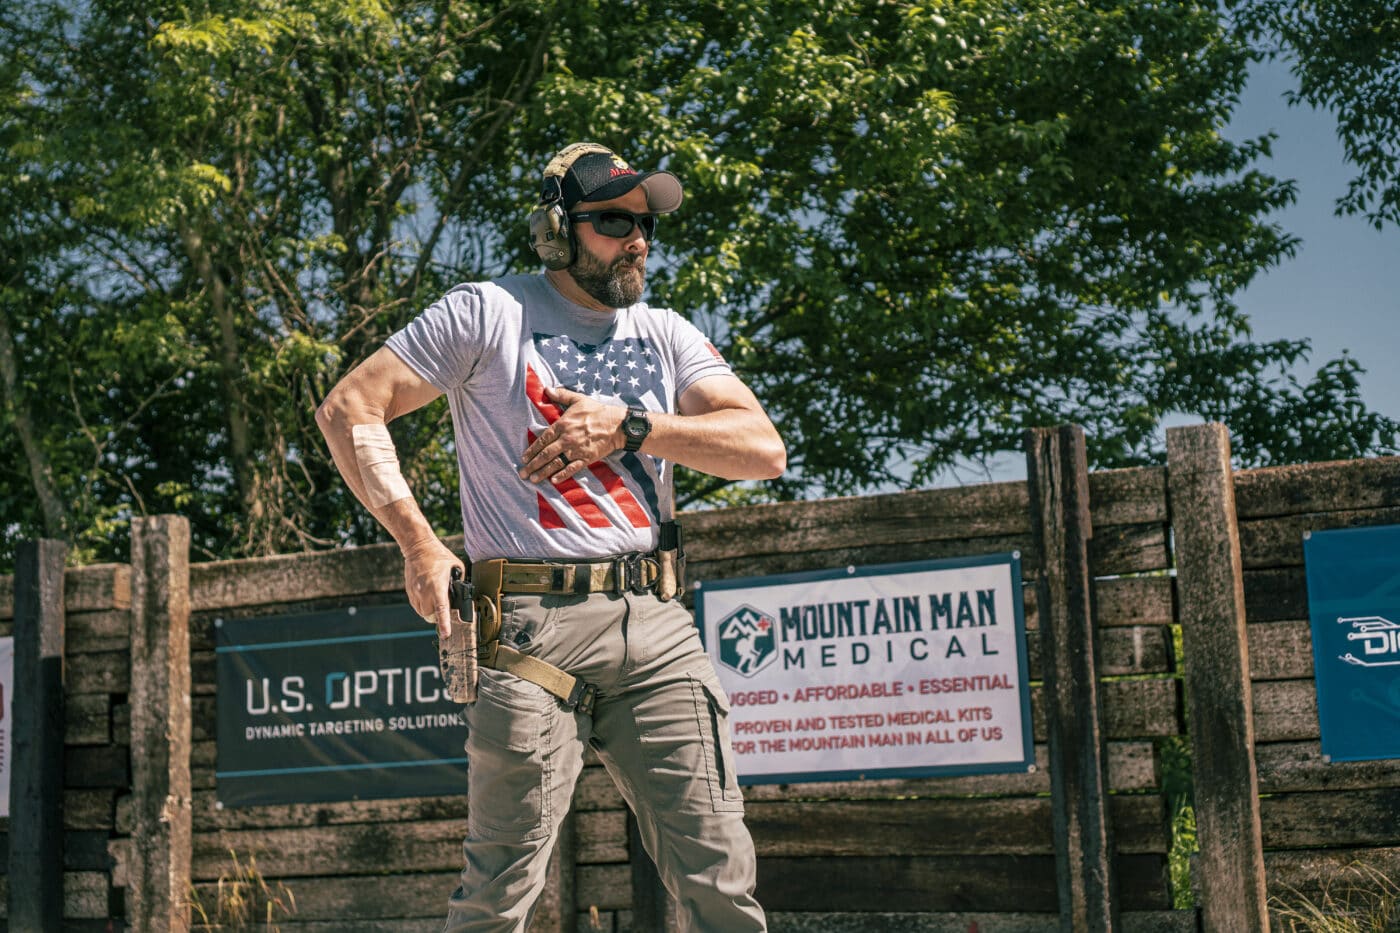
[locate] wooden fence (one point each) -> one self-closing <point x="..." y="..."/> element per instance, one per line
<point x="123" y="655"/>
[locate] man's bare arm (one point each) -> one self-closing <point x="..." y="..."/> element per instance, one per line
<point x="376" y="392"/>
<point x="721" y="429"/>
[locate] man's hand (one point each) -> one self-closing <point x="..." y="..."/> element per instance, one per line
<point x="587" y="432"/>
<point x="427" y="575"/>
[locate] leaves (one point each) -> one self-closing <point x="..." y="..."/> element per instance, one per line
<point x="915" y="228"/>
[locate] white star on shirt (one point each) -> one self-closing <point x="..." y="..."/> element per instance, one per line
<point x="631" y="364"/>
<point x="634" y="381"/>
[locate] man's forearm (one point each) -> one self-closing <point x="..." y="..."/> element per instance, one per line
<point x="401" y="517"/>
<point x="733" y="444"/>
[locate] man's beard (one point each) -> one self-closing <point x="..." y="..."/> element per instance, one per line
<point x="616" y="285"/>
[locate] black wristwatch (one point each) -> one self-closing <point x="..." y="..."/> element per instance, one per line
<point x="635" y="428"/>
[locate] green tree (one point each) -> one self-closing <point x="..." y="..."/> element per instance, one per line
<point x="1345" y="55"/>
<point x="915" y="228"/>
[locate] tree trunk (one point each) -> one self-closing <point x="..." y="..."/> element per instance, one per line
<point x="40" y="469"/>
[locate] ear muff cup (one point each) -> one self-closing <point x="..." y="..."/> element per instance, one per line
<point x="551" y="237"/>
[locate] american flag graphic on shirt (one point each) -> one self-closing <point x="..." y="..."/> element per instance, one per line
<point x="626" y="370"/>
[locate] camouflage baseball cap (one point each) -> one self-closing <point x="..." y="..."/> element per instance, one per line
<point x="590" y="172"/>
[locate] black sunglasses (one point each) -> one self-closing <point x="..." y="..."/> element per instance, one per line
<point x="619" y="223"/>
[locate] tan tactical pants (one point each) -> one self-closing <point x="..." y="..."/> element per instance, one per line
<point x="659" y="724"/>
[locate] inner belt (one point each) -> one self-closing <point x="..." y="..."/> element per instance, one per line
<point x="636" y="573"/>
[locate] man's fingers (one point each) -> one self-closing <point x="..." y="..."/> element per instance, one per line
<point x="562" y="395"/>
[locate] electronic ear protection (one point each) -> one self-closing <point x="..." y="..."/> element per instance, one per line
<point x="551" y="237"/>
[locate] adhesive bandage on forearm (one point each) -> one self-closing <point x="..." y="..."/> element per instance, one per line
<point x="379" y="464"/>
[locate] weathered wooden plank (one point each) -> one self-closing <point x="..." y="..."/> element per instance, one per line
<point x="1280" y="650"/>
<point x="85" y="589"/>
<point x="1134" y="921"/>
<point x="36" y="895"/>
<point x="1307" y="873"/>
<point x="85" y="895"/>
<point x="1083" y="833"/>
<point x="158" y="875"/>
<point x="108" y="630"/>
<point x="107" y="672"/>
<point x="1285" y="711"/>
<point x="989" y="826"/>
<point x="357" y="899"/>
<point x="602" y="836"/>
<point x="1132" y="766"/>
<point x="286" y="578"/>
<point x="1132" y="709"/>
<point x="1276" y="595"/>
<point x="357" y="849"/>
<point x="1137" y="650"/>
<point x="96" y="766"/>
<point x="941" y="884"/>
<point x="1333" y="818"/>
<point x="1132" y="496"/>
<point x="777" y="562"/>
<point x="1298" y="766"/>
<point x="89" y="809"/>
<point x="993" y="510"/>
<point x="1210" y="589"/>
<point x="88" y="719"/>
<point x="1318" y="487"/>
<point x="1278" y="542"/>
<point x="1119" y="549"/>
<point x="208" y="816"/>
<point x="1124" y="601"/>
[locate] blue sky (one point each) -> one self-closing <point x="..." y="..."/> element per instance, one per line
<point x="1342" y="289"/>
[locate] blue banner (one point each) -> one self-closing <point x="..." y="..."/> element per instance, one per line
<point x="1354" y="609"/>
<point x="339" y="705"/>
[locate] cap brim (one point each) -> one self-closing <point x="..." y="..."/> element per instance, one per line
<point x="664" y="192"/>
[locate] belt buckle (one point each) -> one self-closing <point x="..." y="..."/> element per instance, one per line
<point x="627" y="570"/>
<point x="581" y="697"/>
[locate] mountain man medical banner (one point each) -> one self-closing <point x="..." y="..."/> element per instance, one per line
<point x="900" y="670"/>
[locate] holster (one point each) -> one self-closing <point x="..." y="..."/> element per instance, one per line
<point x="670" y="556"/>
<point x="457" y="656"/>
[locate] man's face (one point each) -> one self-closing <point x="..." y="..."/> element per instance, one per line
<point x="610" y="270"/>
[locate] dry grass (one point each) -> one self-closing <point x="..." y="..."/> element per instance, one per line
<point x="243" y="900"/>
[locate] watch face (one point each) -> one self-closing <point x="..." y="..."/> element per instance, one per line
<point x="636" y="426"/>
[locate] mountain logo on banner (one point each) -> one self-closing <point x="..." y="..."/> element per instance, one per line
<point x="747" y="641"/>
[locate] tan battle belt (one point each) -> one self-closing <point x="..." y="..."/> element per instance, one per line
<point x="635" y="573"/>
<point x="632" y="572"/>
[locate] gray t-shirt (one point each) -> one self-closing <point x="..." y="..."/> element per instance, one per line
<point x="493" y="347"/>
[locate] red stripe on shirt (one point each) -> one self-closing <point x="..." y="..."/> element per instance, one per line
<point x="620" y="494"/>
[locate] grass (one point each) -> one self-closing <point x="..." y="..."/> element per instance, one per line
<point x="243" y="900"/>
<point x="1358" y="899"/>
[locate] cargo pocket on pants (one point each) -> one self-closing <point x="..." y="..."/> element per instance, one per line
<point x="712" y="716"/>
<point x="509" y="756"/>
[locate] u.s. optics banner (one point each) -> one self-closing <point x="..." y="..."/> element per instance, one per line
<point x="1354" y="607"/>
<point x="340" y="705"/>
<point x="899" y="670"/>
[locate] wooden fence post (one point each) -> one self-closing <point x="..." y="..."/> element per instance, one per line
<point x="36" y="782"/>
<point x="557" y="911"/>
<point x="161" y="843"/>
<point x="1210" y="589"/>
<point x="1058" y="480"/>
<point x="652" y="908"/>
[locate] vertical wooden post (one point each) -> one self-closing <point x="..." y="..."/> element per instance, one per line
<point x="158" y="896"/>
<point x="557" y="911"/>
<point x="36" y="782"/>
<point x="652" y="908"/>
<point x="1058" y="477"/>
<point x="1210" y="588"/>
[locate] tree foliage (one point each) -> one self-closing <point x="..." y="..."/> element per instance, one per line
<point x="914" y="228"/>
<point x="1345" y="55"/>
